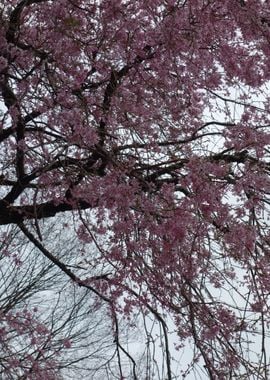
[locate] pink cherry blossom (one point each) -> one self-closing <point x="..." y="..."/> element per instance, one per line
<point x="145" y="124"/>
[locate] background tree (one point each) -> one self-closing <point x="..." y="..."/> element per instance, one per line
<point x="149" y="123"/>
<point x="50" y="328"/>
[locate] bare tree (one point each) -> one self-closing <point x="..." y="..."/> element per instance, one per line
<point x="50" y="327"/>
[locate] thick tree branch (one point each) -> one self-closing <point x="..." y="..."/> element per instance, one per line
<point x="17" y="214"/>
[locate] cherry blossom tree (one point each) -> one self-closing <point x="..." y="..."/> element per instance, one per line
<point x="145" y="125"/>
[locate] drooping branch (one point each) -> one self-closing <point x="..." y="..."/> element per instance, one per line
<point x="57" y="262"/>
